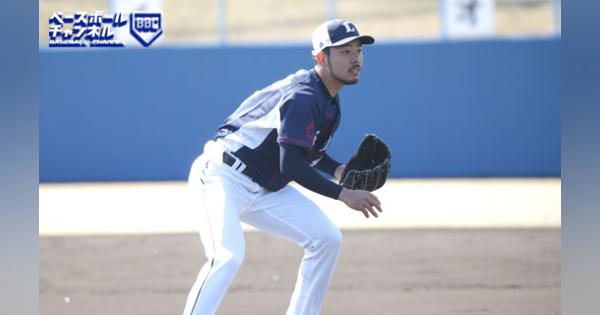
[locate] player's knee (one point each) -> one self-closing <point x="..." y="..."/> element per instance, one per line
<point x="336" y="238"/>
<point x="235" y="262"/>
<point x="231" y="260"/>
<point x="332" y="240"/>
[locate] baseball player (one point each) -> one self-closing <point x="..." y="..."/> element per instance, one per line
<point x="277" y="135"/>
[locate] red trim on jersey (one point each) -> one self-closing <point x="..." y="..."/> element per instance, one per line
<point x="294" y="141"/>
<point x="308" y="132"/>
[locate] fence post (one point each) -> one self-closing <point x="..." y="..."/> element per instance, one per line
<point x="222" y="21"/>
<point x="556" y="13"/>
<point x="442" y="19"/>
<point x="330" y="10"/>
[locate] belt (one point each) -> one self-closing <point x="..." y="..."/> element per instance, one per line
<point x="236" y="164"/>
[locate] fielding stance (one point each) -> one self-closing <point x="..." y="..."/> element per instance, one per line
<point x="278" y="135"/>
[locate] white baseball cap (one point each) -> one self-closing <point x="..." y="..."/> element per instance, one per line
<point x="336" y="33"/>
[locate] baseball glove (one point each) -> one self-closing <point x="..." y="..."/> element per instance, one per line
<point x="369" y="167"/>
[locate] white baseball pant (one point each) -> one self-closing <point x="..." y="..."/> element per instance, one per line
<point x="226" y="198"/>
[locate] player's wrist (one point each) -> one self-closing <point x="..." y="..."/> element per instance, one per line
<point x="343" y="196"/>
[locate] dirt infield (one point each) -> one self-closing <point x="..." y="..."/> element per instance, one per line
<point x="396" y="271"/>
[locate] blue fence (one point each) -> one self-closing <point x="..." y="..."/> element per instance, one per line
<point x="448" y="109"/>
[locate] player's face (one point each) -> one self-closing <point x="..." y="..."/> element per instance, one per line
<point x="345" y="62"/>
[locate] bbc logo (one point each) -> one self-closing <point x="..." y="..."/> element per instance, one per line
<point x="147" y="24"/>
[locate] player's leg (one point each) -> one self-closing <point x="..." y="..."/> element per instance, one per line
<point x="290" y="215"/>
<point x="217" y="195"/>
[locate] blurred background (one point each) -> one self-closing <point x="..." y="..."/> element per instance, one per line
<point x="460" y="89"/>
<point x="209" y="22"/>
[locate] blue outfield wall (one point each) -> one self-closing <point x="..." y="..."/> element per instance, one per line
<point x="447" y="109"/>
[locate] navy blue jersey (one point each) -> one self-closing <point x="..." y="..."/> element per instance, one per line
<point x="297" y="110"/>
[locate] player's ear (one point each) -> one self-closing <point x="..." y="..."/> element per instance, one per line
<point x="320" y="57"/>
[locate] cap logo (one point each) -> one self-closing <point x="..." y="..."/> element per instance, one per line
<point x="349" y="27"/>
<point x="336" y="33"/>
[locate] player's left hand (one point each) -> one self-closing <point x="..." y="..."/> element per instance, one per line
<point x="369" y="167"/>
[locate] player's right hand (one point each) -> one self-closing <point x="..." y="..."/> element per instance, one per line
<point x="361" y="200"/>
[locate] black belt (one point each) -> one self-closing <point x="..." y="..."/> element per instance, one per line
<point x="230" y="160"/>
